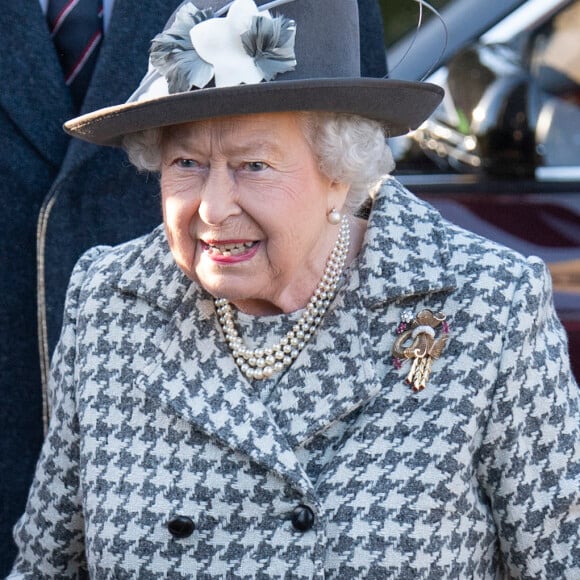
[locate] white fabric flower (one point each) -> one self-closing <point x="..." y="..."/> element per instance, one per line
<point x="218" y="41"/>
<point x="153" y="86"/>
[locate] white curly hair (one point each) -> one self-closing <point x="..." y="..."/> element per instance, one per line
<point x="350" y="149"/>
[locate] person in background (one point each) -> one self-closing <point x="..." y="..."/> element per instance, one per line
<point x="373" y="61"/>
<point x="84" y="194"/>
<point x="305" y="372"/>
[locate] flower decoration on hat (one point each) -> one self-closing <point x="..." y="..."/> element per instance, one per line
<point x="173" y="55"/>
<point x="246" y="46"/>
<point x="418" y="340"/>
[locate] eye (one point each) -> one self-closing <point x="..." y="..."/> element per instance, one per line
<point x="255" y="166"/>
<point x="186" y="163"/>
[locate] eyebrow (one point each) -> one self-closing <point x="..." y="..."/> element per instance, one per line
<point x="252" y="147"/>
<point x="258" y="146"/>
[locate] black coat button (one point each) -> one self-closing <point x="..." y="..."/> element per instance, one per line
<point x="302" y="518"/>
<point x="180" y="526"/>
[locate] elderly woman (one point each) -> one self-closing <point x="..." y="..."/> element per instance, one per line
<point x="306" y="372"/>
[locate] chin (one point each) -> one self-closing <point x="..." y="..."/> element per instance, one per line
<point x="220" y="290"/>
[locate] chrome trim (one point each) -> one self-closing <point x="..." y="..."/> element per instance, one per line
<point x="522" y="18"/>
<point x="438" y="179"/>
<point x="558" y="173"/>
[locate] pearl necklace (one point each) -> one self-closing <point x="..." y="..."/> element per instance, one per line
<point x="262" y="363"/>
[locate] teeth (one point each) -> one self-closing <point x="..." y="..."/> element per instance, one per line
<point x="231" y="249"/>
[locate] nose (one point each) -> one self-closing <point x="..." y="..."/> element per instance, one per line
<point x="219" y="198"/>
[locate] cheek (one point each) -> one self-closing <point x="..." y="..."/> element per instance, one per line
<point x="289" y="211"/>
<point x="179" y="209"/>
<point x="180" y="203"/>
<point x="292" y="193"/>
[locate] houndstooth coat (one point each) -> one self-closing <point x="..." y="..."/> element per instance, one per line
<point x="163" y="462"/>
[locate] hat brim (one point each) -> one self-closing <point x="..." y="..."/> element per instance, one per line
<point x="400" y="105"/>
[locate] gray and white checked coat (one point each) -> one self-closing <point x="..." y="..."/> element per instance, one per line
<point x="477" y="476"/>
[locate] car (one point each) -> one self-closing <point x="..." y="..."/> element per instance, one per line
<point x="501" y="154"/>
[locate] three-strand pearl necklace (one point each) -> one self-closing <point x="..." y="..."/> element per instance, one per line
<point x="262" y="363"/>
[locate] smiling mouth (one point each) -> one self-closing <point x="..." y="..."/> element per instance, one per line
<point x="229" y="249"/>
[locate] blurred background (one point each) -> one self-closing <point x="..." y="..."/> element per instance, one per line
<point x="401" y="15"/>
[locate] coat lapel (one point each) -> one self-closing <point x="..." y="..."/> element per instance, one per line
<point x="33" y="91"/>
<point x="192" y="372"/>
<point x="195" y="375"/>
<point x="331" y="378"/>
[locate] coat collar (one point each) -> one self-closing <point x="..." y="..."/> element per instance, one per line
<point x="193" y="372"/>
<point x="406" y="250"/>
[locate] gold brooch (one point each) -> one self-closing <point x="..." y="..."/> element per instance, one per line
<point x="417" y="340"/>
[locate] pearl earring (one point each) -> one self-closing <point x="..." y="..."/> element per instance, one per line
<point x="333" y="216"/>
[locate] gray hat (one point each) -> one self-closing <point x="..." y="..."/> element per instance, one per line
<point x="219" y="58"/>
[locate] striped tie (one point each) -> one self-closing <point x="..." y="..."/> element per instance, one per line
<point x="76" y="28"/>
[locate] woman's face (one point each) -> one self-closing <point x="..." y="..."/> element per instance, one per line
<point x="245" y="207"/>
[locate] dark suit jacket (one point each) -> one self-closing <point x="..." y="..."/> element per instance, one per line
<point x="85" y="195"/>
<point x="61" y="196"/>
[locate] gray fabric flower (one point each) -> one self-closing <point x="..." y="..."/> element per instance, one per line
<point x="270" y="41"/>
<point x="173" y="55"/>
